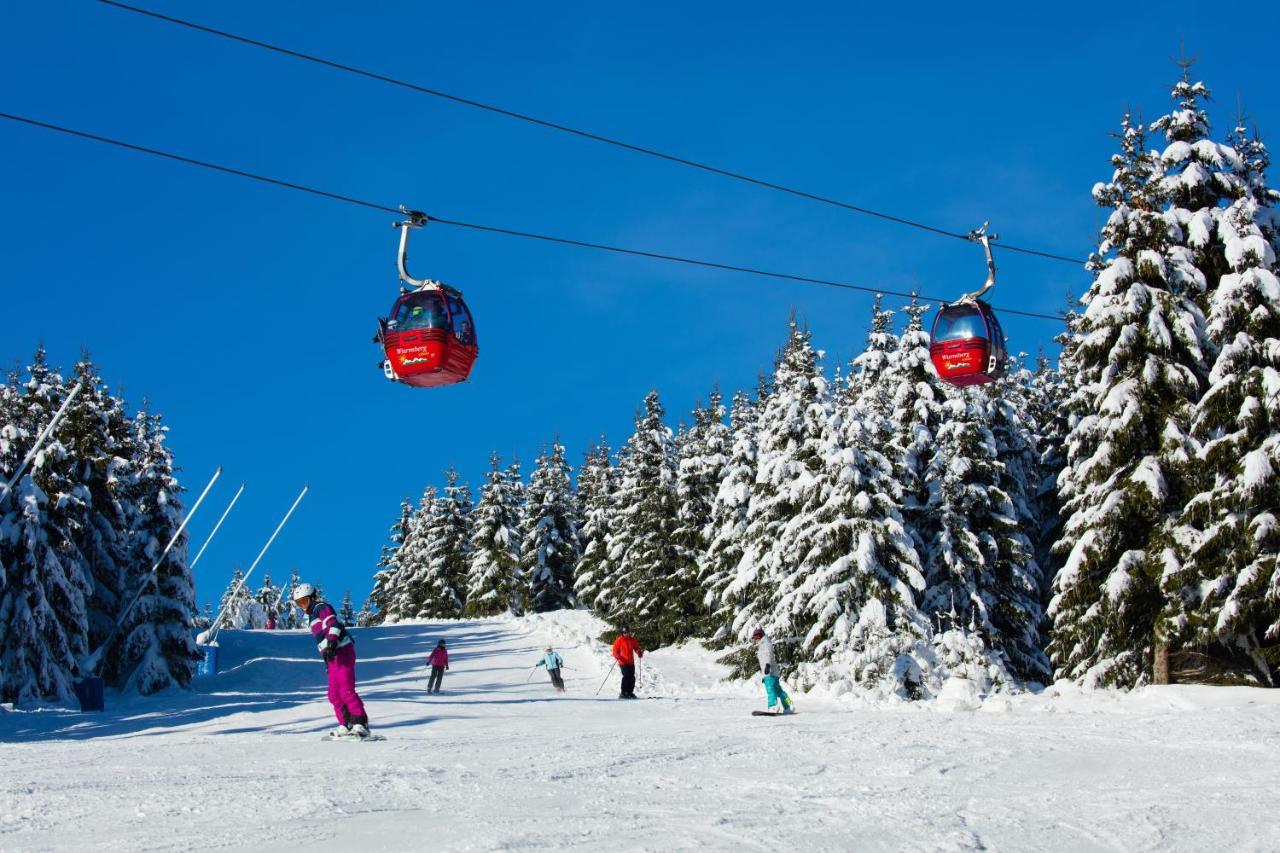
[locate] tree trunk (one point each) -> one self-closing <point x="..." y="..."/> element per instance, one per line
<point x="1160" y="675"/>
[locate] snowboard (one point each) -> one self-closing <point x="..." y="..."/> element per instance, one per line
<point x="356" y="738"/>
<point x="771" y="714"/>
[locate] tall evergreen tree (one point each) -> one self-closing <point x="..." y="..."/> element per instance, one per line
<point x="1229" y="582"/>
<point x="157" y="650"/>
<point x="550" y="533"/>
<point x="641" y="551"/>
<point x="347" y="612"/>
<point x="597" y="483"/>
<point x="441" y="582"/>
<point x="493" y="581"/>
<point x="414" y="583"/>
<point x="727" y="526"/>
<point x="384" y="579"/>
<point x="1139" y="351"/>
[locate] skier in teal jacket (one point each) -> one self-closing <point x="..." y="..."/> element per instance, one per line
<point x="553" y="662"/>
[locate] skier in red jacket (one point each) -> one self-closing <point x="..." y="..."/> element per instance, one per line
<point x="626" y="650"/>
<point x="439" y="662"/>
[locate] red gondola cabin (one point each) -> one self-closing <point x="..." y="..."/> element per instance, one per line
<point x="429" y="338"/>
<point x="967" y="344"/>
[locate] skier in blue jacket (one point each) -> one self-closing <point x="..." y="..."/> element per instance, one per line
<point x="553" y="662"/>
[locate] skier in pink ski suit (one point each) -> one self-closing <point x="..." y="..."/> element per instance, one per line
<point x="339" y="653"/>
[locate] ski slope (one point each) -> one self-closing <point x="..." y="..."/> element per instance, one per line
<point x="496" y="763"/>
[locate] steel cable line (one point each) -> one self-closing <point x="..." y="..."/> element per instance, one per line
<point x="584" y="134"/>
<point x="493" y="229"/>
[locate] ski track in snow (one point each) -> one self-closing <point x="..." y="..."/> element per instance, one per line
<point x="495" y="763"/>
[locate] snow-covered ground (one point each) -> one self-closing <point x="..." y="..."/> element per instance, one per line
<point x="497" y="763"/>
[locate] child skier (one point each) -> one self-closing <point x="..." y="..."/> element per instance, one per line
<point x="439" y="661"/>
<point x="769" y="669"/>
<point x="552" y="661"/>
<point x="339" y="653"/>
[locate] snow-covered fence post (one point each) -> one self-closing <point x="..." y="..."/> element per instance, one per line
<point x="212" y="632"/>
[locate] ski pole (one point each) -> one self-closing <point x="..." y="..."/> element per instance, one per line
<point x="44" y="436"/>
<point x="530" y="675"/>
<point x="606" y="677"/>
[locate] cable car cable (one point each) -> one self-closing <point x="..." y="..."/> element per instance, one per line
<point x="493" y="229"/>
<point x="585" y="134"/>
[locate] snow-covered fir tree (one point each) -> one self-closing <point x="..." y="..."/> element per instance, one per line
<point x="702" y="452"/>
<point x="410" y="570"/>
<point x="916" y="395"/>
<point x="43" y="604"/>
<point x="237" y="601"/>
<point x="156" y="649"/>
<point x="347" y="612"/>
<point x="727" y="524"/>
<point x="1140" y="348"/>
<point x="641" y="550"/>
<point x="791" y="436"/>
<point x="550" y="543"/>
<point x="436" y="584"/>
<point x="1229" y="584"/>
<point x="385" y="577"/>
<point x="869" y="391"/>
<point x="494" y="580"/>
<point x="597" y="482"/>
<point x="980" y="572"/>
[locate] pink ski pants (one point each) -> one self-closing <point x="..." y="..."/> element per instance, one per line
<point x="342" y="686"/>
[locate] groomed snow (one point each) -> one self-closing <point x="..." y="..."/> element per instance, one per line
<point x="497" y="763"/>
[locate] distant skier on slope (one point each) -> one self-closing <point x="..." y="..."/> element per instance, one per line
<point x="626" y="649"/>
<point x="769" y="669"/>
<point x="439" y="662"/>
<point x="339" y="653"/>
<point x="552" y="661"/>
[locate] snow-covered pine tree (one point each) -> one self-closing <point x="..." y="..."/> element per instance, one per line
<point x="100" y="444"/>
<point x="270" y="598"/>
<point x="1047" y="410"/>
<point x="916" y="395"/>
<point x="791" y="436"/>
<point x="43" y="604"/>
<point x="347" y="612"/>
<point x="641" y="553"/>
<point x="869" y="392"/>
<point x="494" y="580"/>
<point x="551" y="547"/>
<point x="702" y="452"/>
<point x="728" y="520"/>
<point x="851" y="596"/>
<point x="367" y="616"/>
<point x="156" y="649"/>
<point x="1139" y="350"/>
<point x="1230" y="580"/>
<point x="384" y="579"/>
<point x="236" y="601"/>
<point x="440" y="583"/>
<point x="290" y="616"/>
<point x="597" y="482"/>
<point x="410" y="571"/>
<point x="980" y="572"/>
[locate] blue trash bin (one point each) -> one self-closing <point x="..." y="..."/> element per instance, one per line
<point x="209" y="663"/>
<point x="89" y="692"/>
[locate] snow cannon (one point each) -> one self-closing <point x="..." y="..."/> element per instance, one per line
<point x="89" y="692"/>
<point x="208" y="665"/>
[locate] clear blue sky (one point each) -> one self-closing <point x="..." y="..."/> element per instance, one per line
<point x="244" y="313"/>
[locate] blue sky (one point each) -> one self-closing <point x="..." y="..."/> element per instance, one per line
<point x="244" y="313"/>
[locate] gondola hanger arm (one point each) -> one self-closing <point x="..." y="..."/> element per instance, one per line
<point x="980" y="235"/>
<point x="417" y="219"/>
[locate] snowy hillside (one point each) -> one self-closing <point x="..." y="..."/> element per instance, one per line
<point x="495" y="762"/>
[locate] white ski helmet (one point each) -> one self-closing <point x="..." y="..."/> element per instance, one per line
<point x="303" y="590"/>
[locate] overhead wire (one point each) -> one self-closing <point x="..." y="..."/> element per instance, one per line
<point x="584" y="134"/>
<point x="492" y="229"/>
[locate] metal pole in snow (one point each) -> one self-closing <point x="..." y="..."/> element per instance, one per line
<point x="225" y="513"/>
<point x="44" y="436"/>
<point x="213" y="631"/>
<point x="96" y="658"/>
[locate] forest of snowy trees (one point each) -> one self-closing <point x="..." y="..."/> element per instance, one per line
<point x="79" y="533"/>
<point x="1104" y="519"/>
